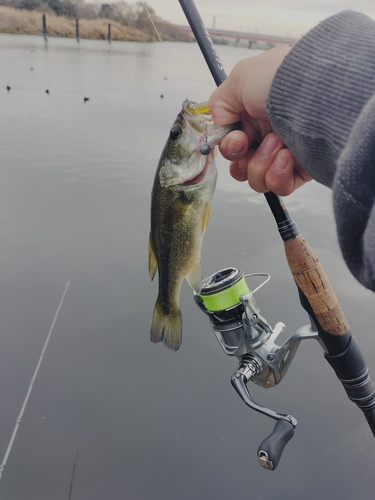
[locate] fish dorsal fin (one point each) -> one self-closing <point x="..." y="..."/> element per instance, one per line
<point x="206" y="217"/>
<point x="194" y="278"/>
<point x="152" y="262"/>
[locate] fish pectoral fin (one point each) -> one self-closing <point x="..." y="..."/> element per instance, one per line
<point x="194" y="278"/>
<point x="206" y="217"/>
<point x="152" y="262"/>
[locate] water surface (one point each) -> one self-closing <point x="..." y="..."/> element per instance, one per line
<point x="75" y="182"/>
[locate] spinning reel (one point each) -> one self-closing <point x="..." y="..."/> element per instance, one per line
<point x="242" y="332"/>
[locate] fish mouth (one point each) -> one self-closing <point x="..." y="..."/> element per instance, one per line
<point x="195" y="108"/>
<point x="198" y="179"/>
<point x="197" y="114"/>
<point x="198" y="118"/>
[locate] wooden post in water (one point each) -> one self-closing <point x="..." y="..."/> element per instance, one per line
<point x="109" y="33"/>
<point x="44" y="27"/>
<point x="77" y="29"/>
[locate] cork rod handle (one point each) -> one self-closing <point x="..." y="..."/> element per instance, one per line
<point x="310" y="277"/>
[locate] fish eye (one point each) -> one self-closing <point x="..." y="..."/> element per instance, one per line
<point x="175" y="133"/>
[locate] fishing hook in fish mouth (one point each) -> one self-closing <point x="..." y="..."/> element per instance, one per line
<point x="205" y="148"/>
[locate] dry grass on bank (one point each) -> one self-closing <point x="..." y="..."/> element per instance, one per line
<point x="30" y="23"/>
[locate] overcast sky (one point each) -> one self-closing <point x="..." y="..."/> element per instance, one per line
<point x="281" y="17"/>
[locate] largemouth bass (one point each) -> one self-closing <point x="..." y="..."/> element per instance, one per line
<point x="184" y="183"/>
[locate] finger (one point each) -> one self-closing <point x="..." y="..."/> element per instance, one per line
<point x="238" y="169"/>
<point x="285" y="175"/>
<point x="262" y="160"/>
<point x="235" y="145"/>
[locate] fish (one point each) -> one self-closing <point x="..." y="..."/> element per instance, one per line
<point x="183" y="187"/>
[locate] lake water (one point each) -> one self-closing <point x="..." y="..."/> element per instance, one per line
<point x="148" y="423"/>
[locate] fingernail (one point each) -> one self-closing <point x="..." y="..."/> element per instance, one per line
<point x="234" y="146"/>
<point x="242" y="165"/>
<point x="269" y="144"/>
<point x="281" y="162"/>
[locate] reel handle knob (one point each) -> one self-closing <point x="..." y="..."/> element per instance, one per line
<point x="271" y="448"/>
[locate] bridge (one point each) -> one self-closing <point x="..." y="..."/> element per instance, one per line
<point x="237" y="36"/>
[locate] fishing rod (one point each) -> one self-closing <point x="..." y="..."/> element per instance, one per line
<point x="242" y="332"/>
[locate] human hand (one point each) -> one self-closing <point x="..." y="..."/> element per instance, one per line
<point x="271" y="167"/>
<point x="242" y="97"/>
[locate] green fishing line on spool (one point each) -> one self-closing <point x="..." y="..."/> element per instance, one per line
<point x="227" y="298"/>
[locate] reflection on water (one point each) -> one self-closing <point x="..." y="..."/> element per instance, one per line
<point x="75" y="181"/>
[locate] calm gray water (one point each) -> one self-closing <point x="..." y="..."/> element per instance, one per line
<point x="149" y="424"/>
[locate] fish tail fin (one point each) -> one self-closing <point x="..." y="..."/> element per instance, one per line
<point x="166" y="328"/>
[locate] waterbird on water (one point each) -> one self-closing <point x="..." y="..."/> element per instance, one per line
<point x="47" y="91"/>
<point x="8" y="88"/>
<point x="85" y="99"/>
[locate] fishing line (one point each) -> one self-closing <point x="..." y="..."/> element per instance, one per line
<point x="225" y="299"/>
<point x="152" y="22"/>
<point x="146" y="149"/>
<point x="100" y="22"/>
<point x="155" y="28"/>
<point x="23" y="407"/>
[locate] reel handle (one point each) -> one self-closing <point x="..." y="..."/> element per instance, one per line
<point x="272" y="447"/>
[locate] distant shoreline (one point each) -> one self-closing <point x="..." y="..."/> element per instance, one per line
<point x="25" y="22"/>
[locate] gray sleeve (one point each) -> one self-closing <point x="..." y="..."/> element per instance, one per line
<point x="354" y="196"/>
<point x="322" y="104"/>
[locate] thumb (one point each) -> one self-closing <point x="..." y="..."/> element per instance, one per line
<point x="224" y="105"/>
